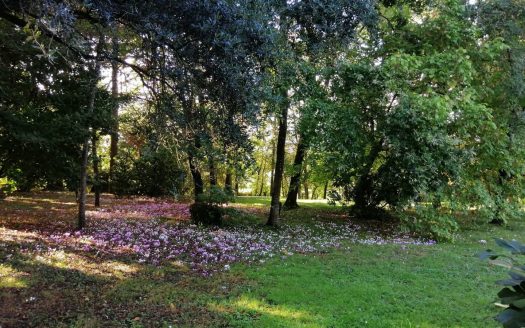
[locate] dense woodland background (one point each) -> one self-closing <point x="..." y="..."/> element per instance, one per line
<point x="404" y="109"/>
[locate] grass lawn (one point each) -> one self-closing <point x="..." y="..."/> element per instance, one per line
<point x="361" y="285"/>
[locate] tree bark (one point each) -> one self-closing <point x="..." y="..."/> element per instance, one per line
<point x="113" y="149"/>
<point x="236" y="185"/>
<point x="262" y="179"/>
<point x="325" y="189"/>
<point x="228" y="181"/>
<point x="272" y="174"/>
<point x="314" y="193"/>
<point x="295" y="180"/>
<point x="273" y="217"/>
<point x="362" y="192"/>
<point x="213" y="172"/>
<point x="96" y="161"/>
<point x="197" y="177"/>
<point x="81" y="222"/>
<point x="306" y="191"/>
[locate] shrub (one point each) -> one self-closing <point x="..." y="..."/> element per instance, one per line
<point x="512" y="296"/>
<point x="154" y="173"/>
<point x="207" y="207"/>
<point x="429" y="222"/>
<point x="215" y="196"/>
<point x="7" y="187"/>
<point x="205" y="213"/>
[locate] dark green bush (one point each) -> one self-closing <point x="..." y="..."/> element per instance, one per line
<point x="153" y="173"/>
<point x="206" y="213"/>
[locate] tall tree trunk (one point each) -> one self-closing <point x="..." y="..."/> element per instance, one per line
<point x="295" y="180"/>
<point x="236" y="184"/>
<point x="325" y="189"/>
<point x="273" y="217"/>
<point x="81" y="222"/>
<point x="314" y="193"/>
<point x="257" y="181"/>
<point x="272" y="174"/>
<point x="197" y="177"/>
<point x="262" y="179"/>
<point x="306" y="191"/>
<point x="228" y="181"/>
<point x="96" y="177"/>
<point x="113" y="149"/>
<point x="363" y="190"/>
<point x="213" y="172"/>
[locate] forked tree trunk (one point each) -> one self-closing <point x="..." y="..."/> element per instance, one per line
<point x="295" y="180"/>
<point x="273" y="217"/>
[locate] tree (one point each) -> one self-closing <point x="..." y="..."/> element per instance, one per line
<point x="307" y="29"/>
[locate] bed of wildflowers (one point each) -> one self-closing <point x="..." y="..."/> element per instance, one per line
<point x="210" y="249"/>
<point x="138" y="232"/>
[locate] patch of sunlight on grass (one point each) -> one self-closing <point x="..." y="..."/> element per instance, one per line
<point x="11" y="278"/>
<point x="251" y="304"/>
<point x="64" y="260"/>
<point x="313" y="201"/>
<point x="11" y="235"/>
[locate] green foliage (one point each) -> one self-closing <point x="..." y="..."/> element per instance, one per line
<point x="512" y="296"/>
<point x="206" y="213"/>
<point x="408" y="121"/>
<point x="428" y="222"/>
<point x="216" y="196"/>
<point x="7" y="187"/>
<point x="208" y="209"/>
<point x="153" y="173"/>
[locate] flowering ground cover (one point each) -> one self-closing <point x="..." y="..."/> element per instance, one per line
<point x="140" y="262"/>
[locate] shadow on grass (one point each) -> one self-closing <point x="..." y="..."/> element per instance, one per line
<point x="69" y="288"/>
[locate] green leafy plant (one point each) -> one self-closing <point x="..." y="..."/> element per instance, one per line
<point x="429" y="222"/>
<point x="215" y="196"/>
<point x="208" y="209"/>
<point x="7" y="187"/>
<point x="512" y="296"/>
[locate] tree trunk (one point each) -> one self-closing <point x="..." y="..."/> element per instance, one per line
<point x="113" y="149"/>
<point x="363" y="190"/>
<point x="314" y="193"/>
<point x="261" y="187"/>
<point x="325" y="189"/>
<point x="257" y="181"/>
<point x="273" y="217"/>
<point x="83" y="186"/>
<point x="295" y="180"/>
<point x="81" y="222"/>
<point x="197" y="177"/>
<point x="213" y="172"/>
<point x="228" y="181"/>
<point x="96" y="178"/>
<point x="272" y="174"/>
<point x="306" y="191"/>
<point x="236" y="185"/>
